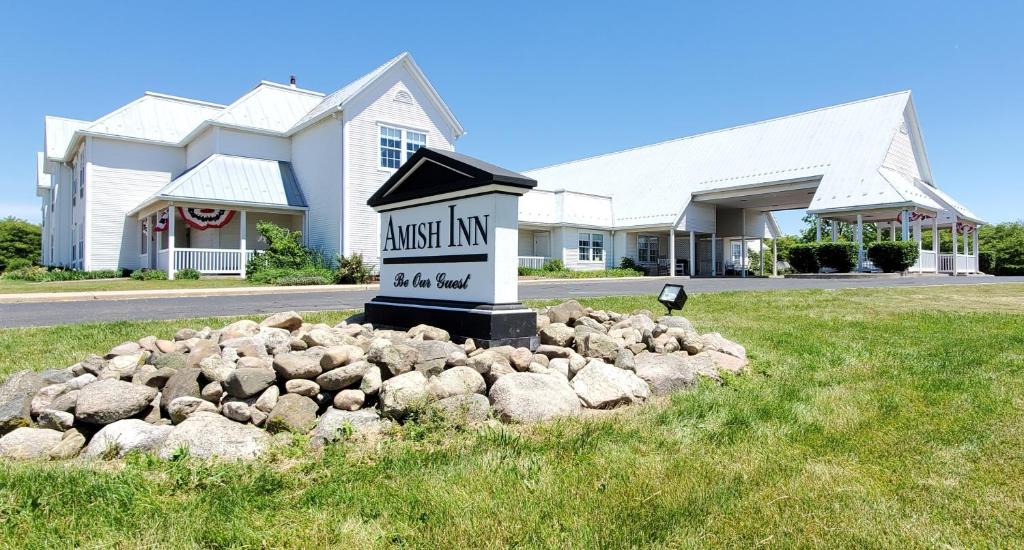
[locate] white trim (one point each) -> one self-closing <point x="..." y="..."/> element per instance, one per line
<point x="453" y="195"/>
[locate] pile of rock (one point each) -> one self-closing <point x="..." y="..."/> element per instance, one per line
<point x="223" y="392"/>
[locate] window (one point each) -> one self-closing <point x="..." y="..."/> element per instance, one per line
<point x="647" y="249"/>
<point x="392" y="144"/>
<point x="390" y="147"/>
<point x="413" y="141"/>
<point x="591" y="247"/>
<point x="736" y="252"/>
<point x="74" y="188"/>
<point x="81" y="183"/>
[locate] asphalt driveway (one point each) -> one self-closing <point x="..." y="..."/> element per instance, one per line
<point x="45" y="314"/>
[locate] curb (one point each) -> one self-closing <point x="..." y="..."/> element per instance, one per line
<point x="29" y="298"/>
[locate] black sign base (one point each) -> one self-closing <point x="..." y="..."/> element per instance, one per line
<point x="489" y="325"/>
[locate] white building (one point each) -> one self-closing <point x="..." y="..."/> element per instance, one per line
<point x="296" y="157"/>
<point x="172" y="183"/>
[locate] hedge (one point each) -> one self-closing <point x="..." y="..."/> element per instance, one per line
<point x="1009" y="269"/>
<point x="987" y="261"/>
<point x="803" y="258"/>
<point x="840" y="256"/>
<point x="893" y="256"/>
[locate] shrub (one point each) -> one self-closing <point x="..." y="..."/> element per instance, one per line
<point x="187" y="274"/>
<point x="14" y="264"/>
<point x="986" y="261"/>
<point x="290" y="276"/>
<point x="30" y="273"/>
<point x="284" y="250"/>
<point x="302" y="280"/>
<point x="568" y="274"/>
<point x="553" y="265"/>
<point x="37" y="274"/>
<point x="803" y="259"/>
<point x="840" y="256"/>
<point x="629" y="263"/>
<point x="352" y="270"/>
<point x="149" y="274"/>
<point x="1009" y="269"/>
<point x="893" y="256"/>
<point x="19" y="239"/>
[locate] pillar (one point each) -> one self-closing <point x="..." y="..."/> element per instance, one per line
<point x="835" y="230"/>
<point x="760" y="253"/>
<point x="672" y="252"/>
<point x="977" y="255"/>
<point x="917" y="237"/>
<point x="860" y="242"/>
<point x="241" y="245"/>
<point x="170" y="242"/>
<point x="935" y="240"/>
<point x="905" y="225"/>
<point x="693" y="254"/>
<point x="743" y="243"/>
<point x="817" y="229"/>
<point x="714" y="257"/>
<point x="878" y="233"/>
<point x="955" y="245"/>
<point x="775" y="257"/>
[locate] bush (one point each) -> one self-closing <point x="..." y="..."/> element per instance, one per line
<point x="30" y="273"/>
<point x="568" y="274"/>
<point x="187" y="274"/>
<point x="803" y="258"/>
<point x="19" y="239"/>
<point x="352" y="270"/>
<point x="284" y="251"/>
<point x="1009" y="269"/>
<point x="629" y="263"/>
<point x="553" y="265"/>
<point x="291" y="276"/>
<point x="986" y="261"/>
<point x="149" y="274"/>
<point x="893" y="256"/>
<point x="302" y="280"/>
<point x="840" y="256"/>
<point x="14" y="264"/>
<point x="37" y="274"/>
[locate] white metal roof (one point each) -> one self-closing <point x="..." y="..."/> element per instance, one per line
<point x="843" y="145"/>
<point x="156" y="117"/>
<point x="58" y="134"/>
<point x="950" y="205"/>
<point x="233" y="180"/>
<point x="545" y="207"/>
<point x="270" y="106"/>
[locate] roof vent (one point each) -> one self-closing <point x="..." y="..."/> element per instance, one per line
<point x="291" y="81"/>
<point x="403" y="96"/>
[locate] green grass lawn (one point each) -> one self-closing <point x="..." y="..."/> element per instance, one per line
<point x="21" y="287"/>
<point x="871" y="418"/>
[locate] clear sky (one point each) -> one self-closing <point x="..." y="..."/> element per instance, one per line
<point x="536" y="84"/>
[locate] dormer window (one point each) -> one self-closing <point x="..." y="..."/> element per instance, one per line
<point x="393" y="141"/>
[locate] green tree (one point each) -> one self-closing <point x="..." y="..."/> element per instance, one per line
<point x="845" y="233"/>
<point x="1005" y="241"/>
<point x="20" y="239"/>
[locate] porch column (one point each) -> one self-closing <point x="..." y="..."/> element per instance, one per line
<point x="693" y="254"/>
<point x="760" y="253"/>
<point x="241" y="245"/>
<point x="977" y="257"/>
<point x="775" y="257"/>
<point x="955" y="245"/>
<point x="905" y="225"/>
<point x="170" y="242"/>
<point x="817" y="229"/>
<point x="860" y="242"/>
<point x="892" y="230"/>
<point x="878" y="232"/>
<point x="714" y="257"/>
<point x="672" y="252"/>
<point x="743" y="243"/>
<point x="835" y="230"/>
<point x="917" y="237"/>
<point x="935" y="240"/>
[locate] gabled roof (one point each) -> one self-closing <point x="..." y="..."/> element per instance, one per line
<point x="338" y="100"/>
<point x="235" y="181"/>
<point x="950" y="205"/>
<point x="156" y="117"/>
<point x="58" y="134"/>
<point x="843" y="146"/>
<point x="431" y="173"/>
<point x="270" y="106"/>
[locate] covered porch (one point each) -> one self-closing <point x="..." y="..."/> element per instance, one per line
<point x="535" y="246"/>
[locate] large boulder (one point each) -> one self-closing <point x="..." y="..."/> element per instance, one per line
<point x="208" y="435"/>
<point x="288" y="320"/>
<point x="108" y="401"/>
<point x="247" y="382"/>
<point x="343" y="377"/>
<point x="602" y="386"/>
<point x="394" y="358"/>
<point x="471" y="408"/>
<point x="403" y="393"/>
<point x="675" y="322"/>
<point x="297" y="365"/>
<point x="716" y="342"/>
<point x="294" y="413"/>
<point x="26" y="443"/>
<point x="599" y="345"/>
<point x="125" y="436"/>
<point x="335" y="424"/>
<point x="566" y="312"/>
<point x="456" y="381"/>
<point x="532" y="397"/>
<point x="665" y="374"/>
<point x="557" y="334"/>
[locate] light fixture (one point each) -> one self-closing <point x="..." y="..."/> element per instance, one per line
<point x="672" y="297"/>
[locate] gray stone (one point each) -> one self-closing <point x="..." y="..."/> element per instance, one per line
<point x="247" y="346"/>
<point x="93" y="364"/>
<point x="126" y="348"/>
<point x="151" y="413"/>
<point x="124" y="436"/>
<point x="560" y="365"/>
<point x="217" y="367"/>
<point x="66" y="402"/>
<point x="334" y="424"/>
<point x="45" y="396"/>
<point x="212" y="392"/>
<point x="530" y="397"/>
<point x="470" y="408"/>
<point x="691" y="342"/>
<point x="343" y="377"/>
<point x="288" y="320"/>
<point x="485" y="360"/>
<point x="299" y="386"/>
<point x="349" y="400"/>
<point x="327" y="338"/>
<point x="665" y="343"/>
<point x="602" y="386"/>
<point x="278" y="340"/>
<point x="456" y="381"/>
<point x="184" y="407"/>
<point x="172" y="361"/>
<point x="675" y="322"/>
<point x="520" y="358"/>
<point x="183" y="383"/>
<point x="599" y="345"/>
<point x="184" y="334"/>
<point x="123" y="367"/>
<point x="427" y="332"/>
<point x="28" y="443"/>
<point x="256" y="416"/>
<point x="297" y="365"/>
<point x="152" y="376"/>
<point x="566" y="312"/>
<point x="165" y="346"/>
<point x="557" y="334"/>
<point x="56" y="376"/>
<point x="554" y="352"/>
<point x="108" y="401"/>
<point x="239" y="329"/>
<point x="238" y="411"/>
<point x="268" y="399"/>
<point x="624" y="359"/>
<point x="403" y="393"/>
<point x="716" y="342"/>
<point x="338" y="356"/>
<point x="208" y="435"/>
<point x="393" y="358"/>
<point x="55" y="420"/>
<point x="542" y="359"/>
<point x="496" y="371"/>
<point x="69" y="447"/>
<point x="202" y="350"/>
<point x="293" y="413"/>
<point x="371" y="382"/>
<point x="726" y="362"/>
<point x="247" y="382"/>
<point x="665" y="374"/>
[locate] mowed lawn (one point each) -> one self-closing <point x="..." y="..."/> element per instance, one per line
<point x="100" y="285"/>
<point x="870" y="418"/>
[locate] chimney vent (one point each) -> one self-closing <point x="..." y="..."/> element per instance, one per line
<point x="292" y="81"/>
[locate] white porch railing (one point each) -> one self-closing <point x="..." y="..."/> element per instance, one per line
<point x="210" y="260"/>
<point x="533" y="262"/>
<point x="964" y="263"/>
<point x="925" y="262"/>
<point x="161" y="260"/>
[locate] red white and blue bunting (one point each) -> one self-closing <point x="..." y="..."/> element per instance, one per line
<point x="914" y="216"/>
<point x="162" y="221"/>
<point x="206" y="218"/>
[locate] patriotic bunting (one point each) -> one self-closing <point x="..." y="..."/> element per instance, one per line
<point x="206" y="218"/>
<point x="914" y="216"/>
<point x="162" y="221"/>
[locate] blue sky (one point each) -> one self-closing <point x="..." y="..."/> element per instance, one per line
<point x="541" y="83"/>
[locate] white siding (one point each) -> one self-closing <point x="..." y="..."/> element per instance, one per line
<point x="245" y="144"/>
<point x="363" y="174"/>
<point x="202" y="146"/>
<point x="900" y="156"/>
<point x="317" y="162"/>
<point x="227" y="236"/>
<point x="123" y="175"/>
<point x="698" y="217"/>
